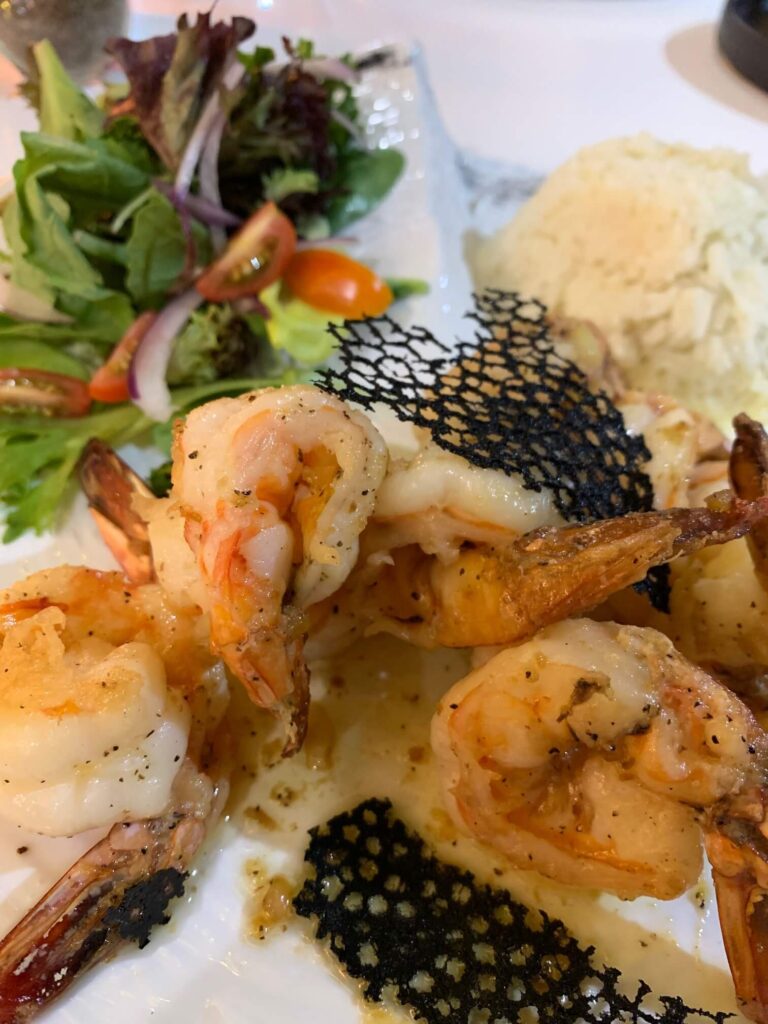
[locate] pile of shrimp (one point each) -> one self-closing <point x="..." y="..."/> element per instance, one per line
<point x="297" y="524"/>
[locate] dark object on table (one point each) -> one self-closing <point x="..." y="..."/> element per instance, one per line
<point x="743" y="39"/>
<point x="77" y="30"/>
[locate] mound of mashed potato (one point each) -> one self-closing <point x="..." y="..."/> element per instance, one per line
<point x="665" y="247"/>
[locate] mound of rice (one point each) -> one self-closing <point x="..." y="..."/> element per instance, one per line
<point x="665" y="247"/>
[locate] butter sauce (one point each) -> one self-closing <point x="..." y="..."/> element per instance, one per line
<point x="369" y="736"/>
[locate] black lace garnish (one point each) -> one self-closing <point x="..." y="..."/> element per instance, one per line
<point x="421" y="932"/>
<point x="144" y="906"/>
<point x="505" y="400"/>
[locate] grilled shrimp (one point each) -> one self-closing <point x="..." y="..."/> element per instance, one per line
<point x="96" y="679"/>
<point x="597" y="754"/>
<point x="275" y="488"/>
<point x="110" y="709"/>
<point x="490" y="595"/>
<point x="719" y="603"/>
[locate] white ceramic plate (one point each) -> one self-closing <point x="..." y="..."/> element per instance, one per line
<point x="203" y="968"/>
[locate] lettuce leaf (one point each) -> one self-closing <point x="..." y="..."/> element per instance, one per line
<point x="156" y="251"/>
<point x="32" y="354"/>
<point x="367" y="176"/>
<point x="172" y="77"/>
<point x="63" y="108"/>
<point x="297" y="329"/>
<point x="216" y="342"/>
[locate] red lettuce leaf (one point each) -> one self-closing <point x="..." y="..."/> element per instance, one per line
<point x="172" y="76"/>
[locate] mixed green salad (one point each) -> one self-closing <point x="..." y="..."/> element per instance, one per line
<point x="165" y="244"/>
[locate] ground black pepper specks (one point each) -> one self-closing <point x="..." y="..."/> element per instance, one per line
<point x="505" y="400"/>
<point x="414" y="929"/>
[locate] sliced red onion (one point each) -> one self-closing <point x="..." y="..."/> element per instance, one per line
<point x="24" y="305"/>
<point x="350" y="126"/>
<point x="194" y="148"/>
<point x="146" y="375"/>
<point x="203" y="210"/>
<point x="209" y="176"/>
<point x="251" y="304"/>
<point x="319" y="67"/>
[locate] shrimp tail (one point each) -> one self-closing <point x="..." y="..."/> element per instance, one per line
<point x="737" y="847"/>
<point x="110" y="485"/>
<point x="116" y="893"/>
<point x="748" y="468"/>
<point x="504" y="595"/>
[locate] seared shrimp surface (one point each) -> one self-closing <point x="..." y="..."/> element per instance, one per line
<point x="596" y="754"/>
<point x="111" y="709"/>
<point x="275" y="488"/>
<point x="96" y="681"/>
<point x="492" y="595"/>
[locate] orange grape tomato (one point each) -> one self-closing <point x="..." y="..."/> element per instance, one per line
<point x="331" y="281"/>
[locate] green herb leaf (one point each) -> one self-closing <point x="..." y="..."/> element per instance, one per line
<point x="160" y="479"/>
<point x="288" y="181"/>
<point x="216" y="342"/>
<point x="156" y="251"/>
<point x="298" y="329"/>
<point x="173" y="76"/>
<point x="36" y="355"/>
<point x="254" y="62"/>
<point x="404" y="287"/>
<point x="367" y="177"/>
<point x="38" y="456"/>
<point x="101" y="323"/>
<point x="63" y="186"/>
<point x="304" y="49"/>
<point x="65" y="110"/>
<point x="96" y="178"/>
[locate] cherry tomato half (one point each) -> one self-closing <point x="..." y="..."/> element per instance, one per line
<point x="52" y="394"/>
<point x="110" y="382"/>
<point x="255" y="257"/>
<point x="334" y="282"/>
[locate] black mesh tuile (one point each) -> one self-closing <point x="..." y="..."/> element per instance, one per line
<point x="505" y="400"/>
<point x="421" y="932"/>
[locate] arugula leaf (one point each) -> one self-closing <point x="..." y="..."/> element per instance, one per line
<point x="64" y="109"/>
<point x="288" y="181"/>
<point x="96" y="323"/>
<point x="172" y="77"/>
<point x="367" y="176"/>
<point x="50" y="246"/>
<point x="38" y="456"/>
<point x="23" y="273"/>
<point x="156" y="251"/>
<point x="103" y="322"/>
<point x="36" y="355"/>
